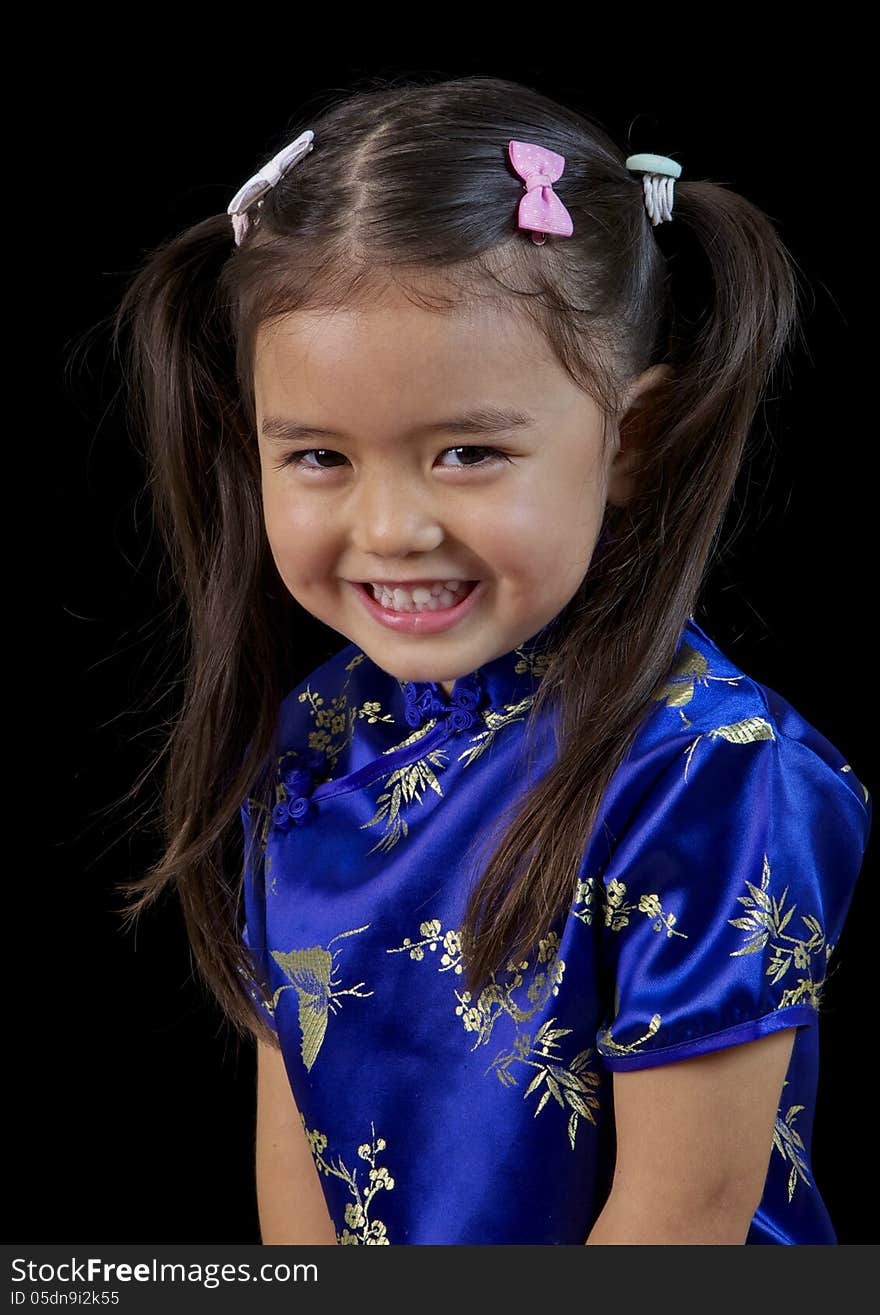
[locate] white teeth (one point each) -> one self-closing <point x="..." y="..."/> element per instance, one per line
<point x="421" y="599"/>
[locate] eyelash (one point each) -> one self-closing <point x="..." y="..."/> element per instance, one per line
<point x="296" y="458"/>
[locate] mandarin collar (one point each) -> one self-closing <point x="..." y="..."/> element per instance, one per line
<point x="497" y="684"/>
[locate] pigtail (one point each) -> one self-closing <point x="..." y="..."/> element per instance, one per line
<point x="720" y="326"/>
<point x="203" y="472"/>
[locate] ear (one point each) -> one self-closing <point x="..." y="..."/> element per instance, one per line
<point x="632" y="428"/>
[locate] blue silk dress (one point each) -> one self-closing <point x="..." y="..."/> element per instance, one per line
<point x="708" y="906"/>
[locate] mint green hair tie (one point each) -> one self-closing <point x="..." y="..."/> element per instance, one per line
<point x="659" y="183"/>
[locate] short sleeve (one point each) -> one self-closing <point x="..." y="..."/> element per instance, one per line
<point x="725" y="896"/>
<point x="254" y="930"/>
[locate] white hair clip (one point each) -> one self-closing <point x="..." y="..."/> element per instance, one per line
<point x="263" y="180"/>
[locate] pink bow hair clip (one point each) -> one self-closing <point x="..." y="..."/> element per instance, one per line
<point x="540" y="209"/>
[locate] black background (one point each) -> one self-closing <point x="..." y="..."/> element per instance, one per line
<point x="134" y="1113"/>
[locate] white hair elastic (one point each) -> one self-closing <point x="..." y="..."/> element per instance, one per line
<point x="659" y="181"/>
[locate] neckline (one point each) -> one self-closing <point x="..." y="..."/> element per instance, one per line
<point x="503" y="681"/>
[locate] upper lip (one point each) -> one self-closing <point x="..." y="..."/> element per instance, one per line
<point x="414" y="584"/>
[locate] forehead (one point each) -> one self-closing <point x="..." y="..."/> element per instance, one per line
<point x="353" y="358"/>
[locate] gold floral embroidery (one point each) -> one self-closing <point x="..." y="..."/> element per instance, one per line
<point x="617" y="911"/>
<point x="585" y="894"/>
<point x="361" y="1230"/>
<point x="310" y="974"/>
<point x="616" y="908"/>
<point x="496" y="998"/>
<point x="790" y="1146"/>
<point x="534" y="661"/>
<point x="330" y="721"/>
<point x="572" y="1086"/>
<point x="766" y="920"/>
<point x="430" y="932"/>
<point x="335" y="724"/>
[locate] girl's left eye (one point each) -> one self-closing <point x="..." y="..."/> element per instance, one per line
<point x="494" y="456"/>
<point x="296" y="458"/>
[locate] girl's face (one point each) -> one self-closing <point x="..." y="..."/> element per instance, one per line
<point x="393" y="491"/>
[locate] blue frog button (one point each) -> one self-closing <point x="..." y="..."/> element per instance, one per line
<point x="299" y="777"/>
<point x="424" y="703"/>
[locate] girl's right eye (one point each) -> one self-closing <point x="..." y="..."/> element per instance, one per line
<point x="296" y="458"/>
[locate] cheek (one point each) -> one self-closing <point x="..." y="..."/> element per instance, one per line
<point x="553" y="521"/>
<point x="298" y="545"/>
<point x="554" y="538"/>
<point x="292" y="520"/>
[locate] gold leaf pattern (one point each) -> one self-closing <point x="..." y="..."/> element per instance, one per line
<point x="406" y="785"/>
<point x="402" y="786"/>
<point x="361" y="1230"/>
<point x="790" y="1146"/>
<point x="767" y="920"/>
<point x="572" y="1087"/>
<point x="309" y="973"/>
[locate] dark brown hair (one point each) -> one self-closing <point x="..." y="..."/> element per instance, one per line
<point x="409" y="184"/>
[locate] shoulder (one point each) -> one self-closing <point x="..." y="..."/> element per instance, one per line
<point x="738" y="708"/>
<point x="720" y="754"/>
<point x="714" y="729"/>
<point x="737" y="806"/>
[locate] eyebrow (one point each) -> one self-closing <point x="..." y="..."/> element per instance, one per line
<point x="481" y="420"/>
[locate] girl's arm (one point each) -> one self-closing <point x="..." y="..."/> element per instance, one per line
<point x="694" y="1140"/>
<point x="289" y="1196"/>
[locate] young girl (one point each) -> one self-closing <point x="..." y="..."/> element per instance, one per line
<point x="528" y="892"/>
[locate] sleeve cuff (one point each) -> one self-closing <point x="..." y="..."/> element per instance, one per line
<point x="801" y="1015"/>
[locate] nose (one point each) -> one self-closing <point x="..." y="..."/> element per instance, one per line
<point x="391" y="516"/>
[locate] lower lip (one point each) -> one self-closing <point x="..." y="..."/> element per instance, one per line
<point x="420" y="623"/>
